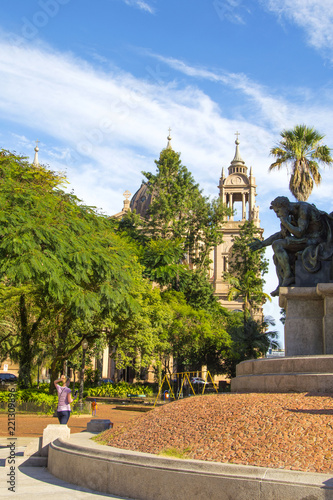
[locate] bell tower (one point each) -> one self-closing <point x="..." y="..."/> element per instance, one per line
<point x="239" y="187"/>
<point x="238" y="192"/>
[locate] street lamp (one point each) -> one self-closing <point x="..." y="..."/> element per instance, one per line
<point x="84" y="349"/>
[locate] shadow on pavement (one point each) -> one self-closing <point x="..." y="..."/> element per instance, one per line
<point x="44" y="476"/>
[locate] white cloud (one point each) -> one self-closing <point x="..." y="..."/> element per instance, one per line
<point x="115" y="124"/>
<point x="314" y="16"/>
<point x="274" y="109"/>
<point x="278" y="111"/>
<point x="230" y="10"/>
<point x="140" y="4"/>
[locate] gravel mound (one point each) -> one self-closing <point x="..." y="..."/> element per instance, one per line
<point x="287" y="431"/>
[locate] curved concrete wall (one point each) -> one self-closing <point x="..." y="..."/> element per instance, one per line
<point x="142" y="476"/>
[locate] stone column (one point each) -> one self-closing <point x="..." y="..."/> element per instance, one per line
<point x="325" y="290"/>
<point x="105" y="369"/>
<point x="303" y="329"/>
<point x="243" y="206"/>
<point x="218" y="265"/>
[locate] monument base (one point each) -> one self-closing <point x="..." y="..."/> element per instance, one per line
<point x="308" y="329"/>
<point x="289" y="374"/>
<point x="308" y="342"/>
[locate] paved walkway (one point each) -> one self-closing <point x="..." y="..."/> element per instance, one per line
<point x="37" y="482"/>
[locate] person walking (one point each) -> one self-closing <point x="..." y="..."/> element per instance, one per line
<point x="93" y="408"/>
<point x="64" y="399"/>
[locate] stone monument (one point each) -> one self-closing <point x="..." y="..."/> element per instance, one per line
<point x="303" y="250"/>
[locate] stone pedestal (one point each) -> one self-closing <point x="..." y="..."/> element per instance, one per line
<point x="291" y="374"/>
<point x="325" y="290"/>
<point x="308" y="329"/>
<point x="308" y="332"/>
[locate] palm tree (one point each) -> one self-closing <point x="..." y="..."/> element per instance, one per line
<point x="301" y="148"/>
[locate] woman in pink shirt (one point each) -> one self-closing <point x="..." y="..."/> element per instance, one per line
<point x="64" y="399"/>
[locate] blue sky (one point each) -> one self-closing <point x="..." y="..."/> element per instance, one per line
<point x="100" y="83"/>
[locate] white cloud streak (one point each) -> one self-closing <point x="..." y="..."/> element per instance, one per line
<point x="114" y="125"/>
<point x="140" y="4"/>
<point x="314" y="16"/>
<point x="273" y="111"/>
<point x="273" y="108"/>
<point x="230" y="10"/>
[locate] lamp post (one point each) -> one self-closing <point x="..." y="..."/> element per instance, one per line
<point x="84" y="349"/>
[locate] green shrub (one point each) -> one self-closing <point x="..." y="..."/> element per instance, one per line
<point x="25" y="395"/>
<point x="31" y="400"/>
<point x="120" y="390"/>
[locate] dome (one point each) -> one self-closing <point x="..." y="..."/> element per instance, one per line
<point x="141" y="200"/>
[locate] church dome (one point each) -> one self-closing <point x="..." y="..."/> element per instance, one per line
<point x="141" y="200"/>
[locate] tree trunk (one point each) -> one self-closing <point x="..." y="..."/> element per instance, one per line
<point x="73" y="390"/>
<point x="54" y="372"/>
<point x="25" y="356"/>
<point x="99" y="366"/>
<point x="82" y="375"/>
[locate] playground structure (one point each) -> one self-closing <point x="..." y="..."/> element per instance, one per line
<point x="181" y="385"/>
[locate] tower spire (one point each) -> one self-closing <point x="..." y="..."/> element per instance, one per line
<point x="237" y="157"/>
<point x="169" y="140"/>
<point x="35" y="162"/>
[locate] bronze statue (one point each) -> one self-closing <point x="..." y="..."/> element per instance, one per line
<point x="305" y="232"/>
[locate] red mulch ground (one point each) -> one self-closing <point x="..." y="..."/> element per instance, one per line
<point x="287" y="431"/>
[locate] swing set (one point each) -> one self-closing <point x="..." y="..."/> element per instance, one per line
<point x="182" y="380"/>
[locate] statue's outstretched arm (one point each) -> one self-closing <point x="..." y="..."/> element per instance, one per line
<point x="257" y="244"/>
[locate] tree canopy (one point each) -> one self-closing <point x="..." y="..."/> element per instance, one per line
<point x="58" y="253"/>
<point x="139" y="285"/>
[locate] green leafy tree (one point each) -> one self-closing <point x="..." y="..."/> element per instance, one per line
<point x="301" y="150"/>
<point x="196" y="336"/>
<point x="197" y="290"/>
<point x="246" y="270"/>
<point x="162" y="261"/>
<point x="249" y="341"/>
<point x="251" y="338"/>
<point x="179" y="211"/>
<point x="73" y="264"/>
<point x="9" y="325"/>
<point x="175" y="239"/>
<point x="138" y="337"/>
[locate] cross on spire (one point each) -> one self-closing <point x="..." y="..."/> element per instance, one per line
<point x="238" y="134"/>
<point x="37" y="144"/>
